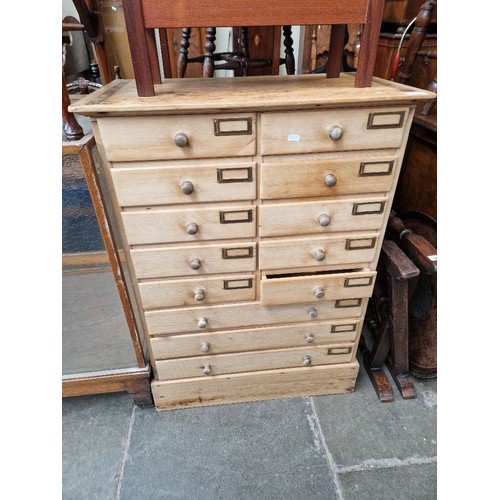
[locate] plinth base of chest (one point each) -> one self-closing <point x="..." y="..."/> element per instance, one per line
<point x="255" y="386"/>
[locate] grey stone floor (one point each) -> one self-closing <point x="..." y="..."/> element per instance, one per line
<point x="328" y="447"/>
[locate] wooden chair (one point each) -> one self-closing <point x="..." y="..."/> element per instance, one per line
<point x="142" y="17"/>
<point x="240" y="60"/>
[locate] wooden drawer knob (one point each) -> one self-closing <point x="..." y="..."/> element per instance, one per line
<point x="306" y="360"/>
<point x="319" y="255"/>
<point x="195" y="264"/>
<point x="202" y="322"/>
<point x="181" y="140"/>
<point x="312" y="313"/>
<point x="199" y="294"/>
<point x="324" y="220"/>
<point x="330" y="180"/>
<point x="319" y="293"/>
<point x="192" y="228"/>
<point x="335" y="132"/>
<point x="187" y="187"/>
<point x="205" y="347"/>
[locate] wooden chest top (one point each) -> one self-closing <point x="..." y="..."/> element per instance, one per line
<point x="198" y="95"/>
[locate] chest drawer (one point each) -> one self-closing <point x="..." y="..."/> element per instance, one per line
<point x="177" y="137"/>
<point x="255" y="339"/>
<point x="187" y="184"/>
<point x="229" y="316"/>
<point x="222" y="364"/>
<point x="193" y="260"/>
<point x="182" y="225"/>
<point x="283" y="219"/>
<point x="198" y="291"/>
<point x="348" y="249"/>
<point x="332" y="130"/>
<point x="301" y="179"/>
<point x="253" y="386"/>
<point x="320" y="286"/>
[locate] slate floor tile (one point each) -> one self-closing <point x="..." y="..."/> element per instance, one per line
<point x="411" y="482"/>
<point x="262" y="450"/>
<point x="357" y="427"/>
<point x="94" y="432"/>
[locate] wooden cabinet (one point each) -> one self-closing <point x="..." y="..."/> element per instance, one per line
<point x="253" y="212"/>
<point x="401" y="12"/>
<point x="101" y="346"/>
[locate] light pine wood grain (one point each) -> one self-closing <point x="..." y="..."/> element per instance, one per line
<point x="152" y="138"/>
<point x="350" y="249"/>
<point x="223" y="364"/>
<point x="200" y="95"/>
<point x="300" y="179"/>
<point x="255" y="386"/>
<point x="162" y="185"/>
<point x="176" y="261"/>
<point x="307" y="131"/>
<point x="293" y="219"/>
<point x="297" y="289"/>
<point x="162" y="226"/>
<point x="255" y="339"/>
<point x="246" y="314"/>
<point x="289" y="151"/>
<point x="184" y="292"/>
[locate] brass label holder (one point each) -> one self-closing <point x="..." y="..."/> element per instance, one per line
<point x="224" y="175"/>
<point x="237" y="253"/>
<point x="235" y="216"/>
<point x="220" y="128"/>
<point x="399" y="118"/>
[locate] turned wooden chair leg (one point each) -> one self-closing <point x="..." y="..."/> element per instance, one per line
<point x="289" y="57"/>
<point x="71" y="128"/>
<point x="182" y="61"/>
<point x="209" y="63"/>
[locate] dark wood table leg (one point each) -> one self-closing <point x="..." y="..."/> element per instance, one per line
<point x="373" y="361"/>
<point x="397" y="362"/>
<point x="395" y="282"/>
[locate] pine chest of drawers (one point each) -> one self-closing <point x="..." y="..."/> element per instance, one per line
<point x="252" y="212"/>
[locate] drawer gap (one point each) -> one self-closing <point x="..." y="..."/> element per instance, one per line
<point x="315" y="273"/>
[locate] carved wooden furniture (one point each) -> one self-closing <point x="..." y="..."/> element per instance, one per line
<point x="316" y="48"/>
<point x="92" y="22"/>
<point x="252" y="213"/>
<point x="417" y="190"/>
<point x="404" y="322"/>
<point x="402" y="310"/>
<point x="387" y="317"/>
<point x="265" y="42"/>
<point x="399" y="13"/>
<point x="416" y="235"/>
<point x="143" y="16"/>
<point x="239" y="60"/>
